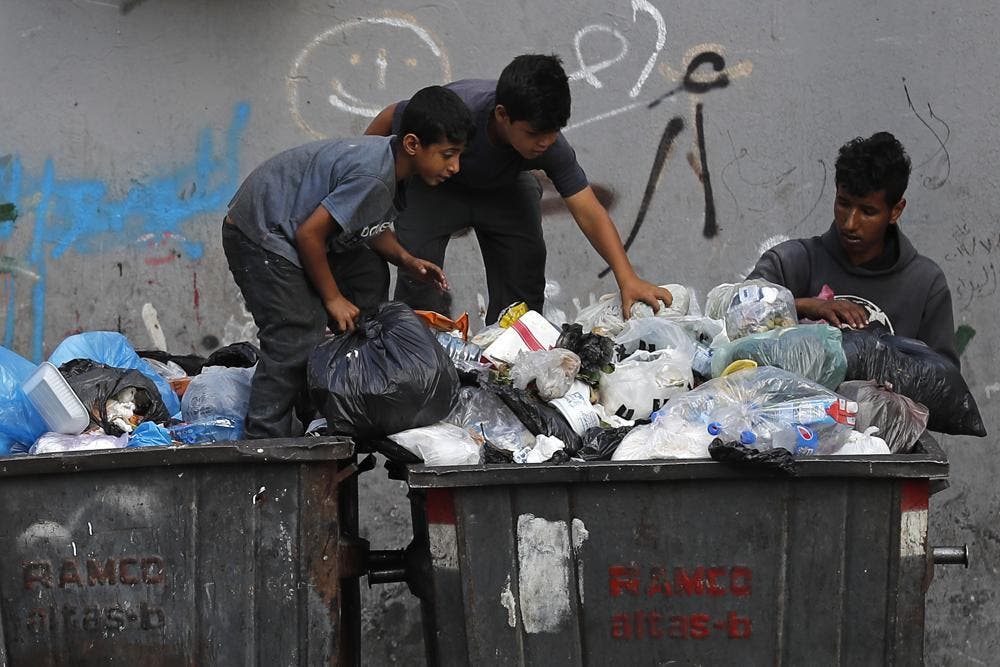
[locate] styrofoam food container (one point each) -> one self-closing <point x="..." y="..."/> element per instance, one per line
<point x="56" y="401"/>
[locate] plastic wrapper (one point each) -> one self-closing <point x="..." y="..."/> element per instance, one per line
<point x="543" y="449"/>
<point x="899" y="420"/>
<point x="917" y="372"/>
<point x="757" y="306"/>
<point x="550" y="309"/>
<point x="651" y="335"/>
<point x="113" y="349"/>
<point x="814" y="351"/>
<point x="168" y="370"/>
<point x="51" y="443"/>
<point x="767" y="407"/>
<point x="118" y="399"/>
<point x="388" y="375"/>
<point x="553" y="371"/>
<point x="218" y="392"/>
<point x="605" y="315"/>
<point x="20" y="422"/>
<point x="484" y="415"/>
<point x="595" y="351"/>
<point x="440" y="445"/>
<point x="150" y="434"/>
<point x="644" y="382"/>
<point x="665" y="438"/>
<point x="204" y="431"/>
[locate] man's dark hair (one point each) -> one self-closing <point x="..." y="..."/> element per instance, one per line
<point x="534" y="88"/>
<point x="877" y="163"/>
<point x="436" y="114"/>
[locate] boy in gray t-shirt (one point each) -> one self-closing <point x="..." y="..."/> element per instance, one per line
<point x="308" y="234"/>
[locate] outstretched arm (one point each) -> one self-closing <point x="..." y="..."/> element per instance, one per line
<point x="596" y="225"/>
<point x="310" y="242"/>
<point x="387" y="245"/>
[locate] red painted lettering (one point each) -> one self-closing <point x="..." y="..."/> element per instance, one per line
<point x="655" y="631"/>
<point x="677" y="627"/>
<point x="698" y="624"/>
<point x="658" y="582"/>
<point x="123" y="575"/>
<point x="621" y="626"/>
<point x="623" y="578"/>
<point x="36" y="572"/>
<point x="690" y="584"/>
<point x="713" y="587"/>
<point x="739" y="581"/>
<point x="96" y="575"/>
<point x="738" y="626"/>
<point x="68" y="574"/>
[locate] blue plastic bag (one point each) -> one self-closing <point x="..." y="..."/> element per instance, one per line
<point x="113" y="349"/>
<point x="148" y="434"/>
<point x="20" y="423"/>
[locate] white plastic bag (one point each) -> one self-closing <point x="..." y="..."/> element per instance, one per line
<point x="552" y="371"/>
<point x="863" y="444"/>
<point x="49" y="443"/>
<point x="664" y="439"/>
<point x="440" y="444"/>
<point x="650" y="335"/>
<point x="540" y="452"/>
<point x="550" y="309"/>
<point x="645" y="381"/>
<point x="605" y="316"/>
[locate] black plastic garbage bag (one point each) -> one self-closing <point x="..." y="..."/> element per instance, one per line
<point x="595" y="351"/>
<point x="917" y="372"/>
<point x="538" y="417"/>
<point x="190" y="363"/>
<point x="387" y="376"/>
<point x="778" y="459"/>
<point x="235" y="355"/>
<point x="109" y="395"/>
<point x="600" y="443"/>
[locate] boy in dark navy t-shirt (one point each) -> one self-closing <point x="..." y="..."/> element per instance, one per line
<point x="308" y="234"/>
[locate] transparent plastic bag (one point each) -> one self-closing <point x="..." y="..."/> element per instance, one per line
<point x="644" y="382"/>
<point x="440" y="444"/>
<point x="757" y="306"/>
<point x="553" y="371"/>
<point x="765" y="407"/>
<point x="482" y="413"/>
<point x="218" y="392"/>
<point x="650" y="335"/>
<point x="814" y="351"/>
<point x="605" y="315"/>
<point x="899" y="420"/>
<point x="550" y="310"/>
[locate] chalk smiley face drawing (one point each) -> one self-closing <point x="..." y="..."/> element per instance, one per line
<point x="359" y="67"/>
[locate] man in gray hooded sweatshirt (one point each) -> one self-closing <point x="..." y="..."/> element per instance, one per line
<point x="874" y="271"/>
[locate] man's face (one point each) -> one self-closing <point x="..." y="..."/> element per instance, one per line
<point x="524" y="138"/>
<point x="862" y="223"/>
<point x="437" y="162"/>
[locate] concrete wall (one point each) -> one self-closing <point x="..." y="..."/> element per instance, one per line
<point x="127" y="125"/>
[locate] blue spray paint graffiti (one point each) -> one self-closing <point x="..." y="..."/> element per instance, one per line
<point x="79" y="214"/>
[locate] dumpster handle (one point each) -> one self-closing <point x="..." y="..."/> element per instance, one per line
<point x="951" y="555"/>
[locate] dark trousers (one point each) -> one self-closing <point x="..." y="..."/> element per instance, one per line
<point x="292" y="321"/>
<point x="508" y="226"/>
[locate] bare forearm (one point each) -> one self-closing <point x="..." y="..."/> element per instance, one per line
<point x="381" y="125"/>
<point x="388" y="246"/>
<point x="316" y="265"/>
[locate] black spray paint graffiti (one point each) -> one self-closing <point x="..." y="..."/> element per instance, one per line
<point x="674" y="127"/>
<point x="941" y="157"/>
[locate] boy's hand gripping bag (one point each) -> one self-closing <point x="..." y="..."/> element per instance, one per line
<point x="387" y="376"/>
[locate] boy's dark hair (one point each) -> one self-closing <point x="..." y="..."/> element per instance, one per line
<point x="435" y="115"/>
<point x="877" y="163"/>
<point x="534" y="88"/>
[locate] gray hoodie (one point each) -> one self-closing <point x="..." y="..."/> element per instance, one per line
<point x="902" y="288"/>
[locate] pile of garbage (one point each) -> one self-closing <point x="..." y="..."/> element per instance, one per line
<point x="743" y="380"/>
<point x="97" y="392"/>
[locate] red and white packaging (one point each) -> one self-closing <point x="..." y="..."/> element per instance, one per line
<point x="530" y="333"/>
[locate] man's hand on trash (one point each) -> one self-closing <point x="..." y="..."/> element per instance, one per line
<point x="637" y="289"/>
<point x="342" y="312"/>
<point x="838" y="312"/>
<point x="425" y="272"/>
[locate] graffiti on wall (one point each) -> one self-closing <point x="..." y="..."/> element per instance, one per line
<point x="53" y="215"/>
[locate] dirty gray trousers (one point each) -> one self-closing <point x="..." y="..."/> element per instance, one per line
<point x="508" y="225"/>
<point x="292" y="321"/>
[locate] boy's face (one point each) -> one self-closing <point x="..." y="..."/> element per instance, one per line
<point x="522" y="137"/>
<point x="862" y="223"/>
<point x="435" y="163"/>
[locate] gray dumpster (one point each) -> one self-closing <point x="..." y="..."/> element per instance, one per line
<point x="675" y="562"/>
<point x="223" y="554"/>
